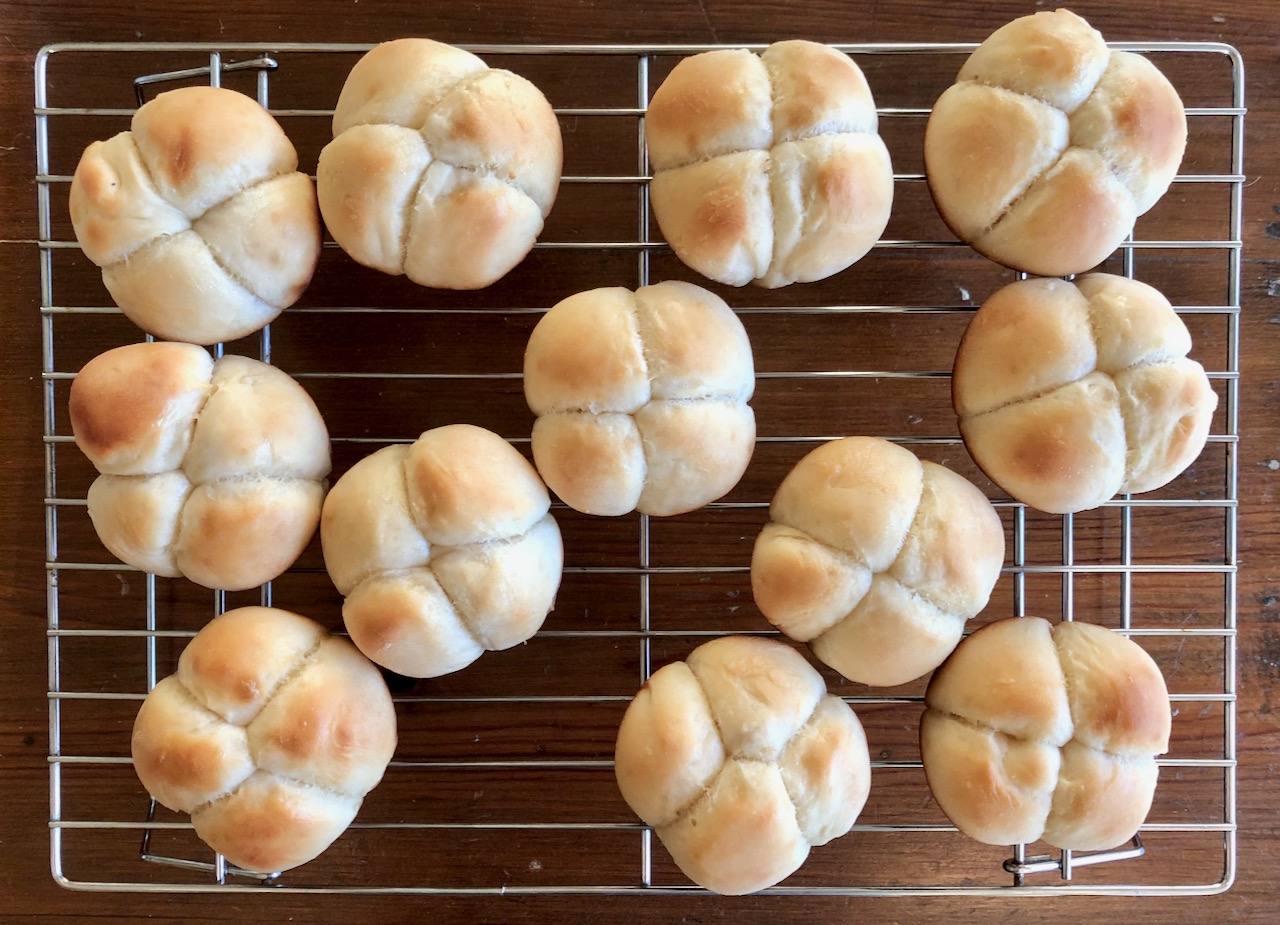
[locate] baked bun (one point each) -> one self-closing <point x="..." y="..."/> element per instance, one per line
<point x="1069" y="393"/>
<point x="440" y="167"/>
<point x="269" y="735"/>
<point x="876" y="559"/>
<point x="1049" y="145"/>
<point x="443" y="549"/>
<point x="203" y="227"/>
<point x="210" y="469"/>
<point x="767" y="169"/>
<point x="641" y="399"/>
<point x="741" y="761"/>
<point x="1038" y="731"/>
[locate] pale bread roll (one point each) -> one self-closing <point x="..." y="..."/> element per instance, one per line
<point x="440" y="168"/>
<point x="1069" y="393"/>
<point x="741" y="761"/>
<point x="641" y="399"/>
<point x="768" y="169"/>
<point x="269" y="735"/>
<point x="876" y="559"/>
<point x="1049" y="145"/>
<point x="1037" y="730"/>
<point x="210" y="469"/>
<point x="203" y="227"/>
<point x="443" y="550"/>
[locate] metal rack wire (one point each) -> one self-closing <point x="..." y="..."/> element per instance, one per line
<point x="94" y="799"/>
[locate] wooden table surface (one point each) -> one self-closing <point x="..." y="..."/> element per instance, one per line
<point x="27" y="890"/>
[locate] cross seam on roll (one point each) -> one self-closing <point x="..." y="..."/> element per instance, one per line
<point x="1032" y="396"/>
<point x="303" y="663"/>
<point x="442" y="550"/>
<point x="980" y="726"/>
<point x="876" y="559"/>
<point x="220" y="262"/>
<point x="460" y="84"/>
<point x="464" y="618"/>
<point x="311" y="785"/>
<point x="436" y="551"/>
<point x="915" y="595"/>
<point x="229" y="792"/>
<point x="410" y="204"/>
<point x="170" y="551"/>
<point x="154" y="189"/>
<point x="226" y="199"/>
<point x="1021" y="195"/>
<point x="884" y="573"/>
<point x="441" y="168"/>
<point x="638" y="324"/>
<point x="689" y="807"/>
<point x="803" y="136"/>
<point x="191" y="226"/>
<point x="744" y="766"/>
<point x="768" y="168"/>
<point x="214" y="714"/>
<point x="1126" y="431"/>
<point x="1102" y="154"/>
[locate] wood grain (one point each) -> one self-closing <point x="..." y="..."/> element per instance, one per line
<point x="786" y="407"/>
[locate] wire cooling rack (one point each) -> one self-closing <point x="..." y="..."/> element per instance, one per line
<point x="503" y="780"/>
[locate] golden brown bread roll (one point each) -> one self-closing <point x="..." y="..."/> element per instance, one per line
<point x="210" y="469"/>
<point x="443" y="549"/>
<point x="741" y="761"/>
<point x="768" y="168"/>
<point x="1037" y="730"/>
<point x="202" y="224"/>
<point x="440" y="167"/>
<point x="1049" y="146"/>
<point x="1069" y="393"/>
<point x="876" y="559"/>
<point x="269" y="735"/>
<point x="641" y="399"/>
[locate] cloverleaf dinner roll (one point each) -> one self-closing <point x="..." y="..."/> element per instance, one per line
<point x="203" y="227"/>
<point x="440" y="168"/>
<point x="1049" y="145"/>
<point x="443" y="549"/>
<point x="876" y="559"/>
<point x="768" y="169"/>
<point x="212" y="469"/>
<point x="1069" y="393"/>
<point x="1045" y="731"/>
<point x="641" y="399"/>
<point x="741" y="761"/>
<point x="269" y="735"/>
